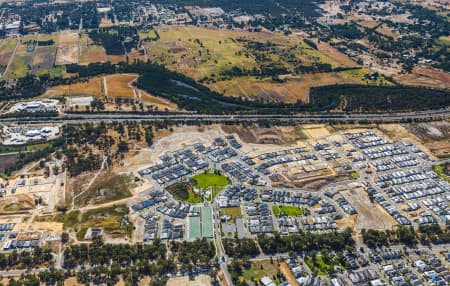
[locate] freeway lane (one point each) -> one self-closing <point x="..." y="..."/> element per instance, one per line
<point x="304" y="118"/>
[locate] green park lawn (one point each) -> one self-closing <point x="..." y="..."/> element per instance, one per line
<point x="287" y="210"/>
<point x="206" y="180"/>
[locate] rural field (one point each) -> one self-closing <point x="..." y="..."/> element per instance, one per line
<point x="23" y="58"/>
<point x="112" y="86"/>
<point x="205" y="52"/>
<point x="7" y="47"/>
<point x="137" y="55"/>
<point x="91" y="53"/>
<point x="119" y="85"/>
<point x="44" y="59"/>
<point x="44" y="56"/>
<point x="93" y="87"/>
<point x="293" y="90"/>
<point x="198" y="52"/>
<point x="68" y="48"/>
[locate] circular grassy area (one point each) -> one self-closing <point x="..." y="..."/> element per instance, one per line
<point x="206" y="180"/>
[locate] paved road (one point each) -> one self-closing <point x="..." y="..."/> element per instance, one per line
<point x="312" y="117"/>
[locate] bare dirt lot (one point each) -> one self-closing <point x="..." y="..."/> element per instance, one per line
<point x="425" y="77"/>
<point x="434" y="135"/>
<point x="68" y="49"/>
<point x="158" y="102"/>
<point x="200" y="280"/>
<point x="370" y="216"/>
<point x="44" y="58"/>
<point x="91" y="53"/>
<point x="315" y="131"/>
<point x="269" y="135"/>
<point x="15" y="204"/>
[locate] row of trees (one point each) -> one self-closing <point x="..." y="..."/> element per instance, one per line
<point x="106" y="261"/>
<point x="431" y="233"/>
<point x="306" y="241"/>
<point x="26" y="259"/>
<point x="379" y="98"/>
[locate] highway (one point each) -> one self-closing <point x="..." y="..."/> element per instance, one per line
<point x="77" y="118"/>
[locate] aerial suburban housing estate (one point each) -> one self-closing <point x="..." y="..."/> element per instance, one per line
<point x="211" y="142"/>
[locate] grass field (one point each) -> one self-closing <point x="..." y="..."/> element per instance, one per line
<point x="287" y="210"/>
<point x="259" y="269"/>
<point x="319" y="265"/>
<point x="109" y="218"/>
<point x="118" y="85"/>
<point x="91" y="53"/>
<point x="233" y="212"/>
<point x="200" y="52"/>
<point x="211" y="182"/>
<point x="197" y="52"/>
<point x="157" y="102"/>
<point x="293" y="90"/>
<point x="23" y="58"/>
<point x="355" y="175"/>
<point x="108" y="187"/>
<point x="439" y="169"/>
<point x="93" y="87"/>
<point x="205" y="180"/>
<point x="445" y="40"/>
<point x="70" y="220"/>
<point x="6" y="50"/>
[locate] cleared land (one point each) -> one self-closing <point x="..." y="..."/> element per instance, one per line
<point x="200" y="280"/>
<point x="15" y="204"/>
<point x="93" y="87"/>
<point x="44" y="59"/>
<point x="68" y="49"/>
<point x="266" y="135"/>
<point x="107" y="187"/>
<point x="111" y="219"/>
<point x="295" y="89"/>
<point x="6" y="161"/>
<point x="45" y="55"/>
<point x="434" y="136"/>
<point x="428" y="77"/>
<point x="370" y="216"/>
<point x="91" y="53"/>
<point x="119" y="85"/>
